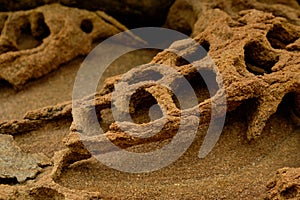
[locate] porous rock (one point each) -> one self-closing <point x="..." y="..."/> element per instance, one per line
<point x="284" y="185"/>
<point x="36" y="42"/>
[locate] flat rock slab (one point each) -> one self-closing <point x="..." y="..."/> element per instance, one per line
<point x="16" y="164"/>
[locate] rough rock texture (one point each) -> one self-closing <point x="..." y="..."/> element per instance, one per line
<point x="35" y="42"/>
<point x="285" y="184"/>
<point x="251" y="58"/>
<point x="131" y="13"/>
<point x="255" y="52"/>
<point x="17" y="166"/>
<point x="192" y="16"/>
<point x="246" y="74"/>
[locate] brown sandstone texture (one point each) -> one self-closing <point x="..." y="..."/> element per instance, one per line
<point x="255" y="46"/>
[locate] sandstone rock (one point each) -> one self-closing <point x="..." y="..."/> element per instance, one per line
<point x="35" y="42"/>
<point x="252" y="58"/>
<point x="16" y="165"/>
<point x="192" y="16"/>
<point x="285" y="185"/>
<point x="45" y="189"/>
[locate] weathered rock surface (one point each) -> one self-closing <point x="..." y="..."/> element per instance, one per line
<point x="35" y="42"/>
<point x="192" y="16"/>
<point x="285" y="184"/>
<point x="17" y="166"/>
<point x="256" y="53"/>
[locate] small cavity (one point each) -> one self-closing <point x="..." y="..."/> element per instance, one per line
<point x="290" y="192"/>
<point x="188" y="96"/>
<point x="205" y="44"/>
<point x="32" y="32"/>
<point x="279" y="37"/>
<point x="198" y="54"/>
<point x="259" y="60"/>
<point x="9" y="181"/>
<point x="148" y="75"/>
<point x="87" y="26"/>
<point x="46" y="193"/>
<point x="146" y="108"/>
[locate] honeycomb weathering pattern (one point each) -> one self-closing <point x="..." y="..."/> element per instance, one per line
<point x="57" y="34"/>
<point x="227" y="34"/>
<point x="162" y="82"/>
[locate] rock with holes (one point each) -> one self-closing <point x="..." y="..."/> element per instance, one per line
<point x="252" y="59"/>
<point x="17" y="166"/>
<point x="191" y="16"/>
<point x="257" y="55"/>
<point x="35" y="42"/>
<point x="285" y="184"/>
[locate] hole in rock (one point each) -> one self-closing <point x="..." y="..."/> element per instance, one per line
<point x="205" y="44"/>
<point x="290" y="192"/>
<point x="5" y="84"/>
<point x="125" y="63"/>
<point x="259" y="60"/>
<point x="32" y="34"/>
<point x="146" y="108"/>
<point x="46" y="193"/>
<point x="87" y="26"/>
<point x="193" y="88"/>
<point x="40" y="29"/>
<point x="279" y="37"/>
<point x="198" y="54"/>
<point x="147" y="75"/>
<point x="9" y="181"/>
<point x="290" y="107"/>
<point x="245" y="109"/>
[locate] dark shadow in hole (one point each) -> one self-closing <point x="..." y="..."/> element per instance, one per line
<point x="9" y="181"/>
<point x="289" y="107"/>
<point x="205" y="44"/>
<point x="259" y="60"/>
<point x="290" y="192"/>
<point x="279" y="37"/>
<point x="40" y="29"/>
<point x="147" y="75"/>
<point x="145" y="107"/>
<point x="243" y="111"/>
<point x="200" y="53"/>
<point x="199" y="84"/>
<point x="5" y="84"/>
<point x="185" y="95"/>
<point x="87" y="26"/>
<point x="46" y="193"/>
<point x="33" y="33"/>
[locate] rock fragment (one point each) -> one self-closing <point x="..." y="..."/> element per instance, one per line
<point x="36" y="42"/>
<point x="16" y="165"/>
